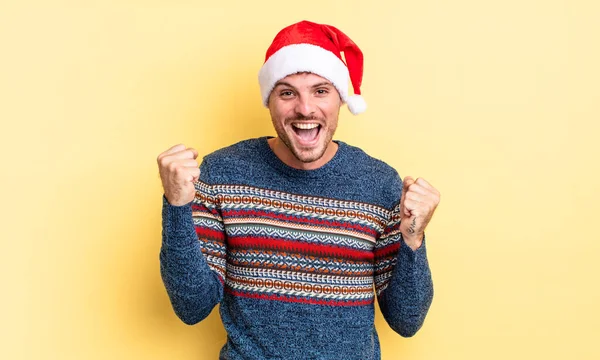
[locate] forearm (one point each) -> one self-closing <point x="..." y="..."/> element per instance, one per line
<point x="193" y="288"/>
<point x="408" y="296"/>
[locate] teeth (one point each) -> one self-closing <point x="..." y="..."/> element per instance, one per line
<point x="305" y="126"/>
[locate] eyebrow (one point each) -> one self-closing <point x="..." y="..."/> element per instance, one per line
<point x="324" y="83"/>
<point x="283" y="83"/>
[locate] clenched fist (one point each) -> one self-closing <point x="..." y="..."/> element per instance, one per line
<point x="417" y="205"/>
<point x="178" y="170"/>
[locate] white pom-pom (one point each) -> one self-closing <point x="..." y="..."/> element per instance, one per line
<point x="356" y="104"/>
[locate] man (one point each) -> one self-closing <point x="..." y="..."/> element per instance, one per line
<point x="291" y="234"/>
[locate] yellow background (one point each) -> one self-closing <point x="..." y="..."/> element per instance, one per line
<point x="496" y="103"/>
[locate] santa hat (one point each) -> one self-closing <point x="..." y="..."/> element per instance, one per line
<point x="315" y="48"/>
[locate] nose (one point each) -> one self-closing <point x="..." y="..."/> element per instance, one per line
<point x="305" y="106"/>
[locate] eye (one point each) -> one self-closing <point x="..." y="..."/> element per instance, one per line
<point x="286" y="93"/>
<point x="322" y="91"/>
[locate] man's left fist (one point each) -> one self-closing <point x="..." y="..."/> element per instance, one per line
<point x="418" y="202"/>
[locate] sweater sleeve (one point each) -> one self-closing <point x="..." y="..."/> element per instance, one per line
<point x="403" y="282"/>
<point x="193" y="251"/>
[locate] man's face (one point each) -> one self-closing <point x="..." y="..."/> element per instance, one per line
<point x="304" y="109"/>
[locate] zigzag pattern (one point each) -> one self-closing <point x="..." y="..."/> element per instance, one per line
<point x="210" y="223"/>
<point x="304" y="264"/>
<point x="311" y="237"/>
<point x="224" y="191"/>
<point x="364" y="219"/>
<point x="287" y="247"/>
<point x="217" y="264"/>
<point x="299" y="276"/>
<point x="388" y="239"/>
<point x="289" y="224"/>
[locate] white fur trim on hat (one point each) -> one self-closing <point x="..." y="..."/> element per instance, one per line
<point x="296" y="58"/>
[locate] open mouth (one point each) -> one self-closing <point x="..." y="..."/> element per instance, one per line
<point x="307" y="133"/>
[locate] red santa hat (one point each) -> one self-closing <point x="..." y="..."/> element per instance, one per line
<point x="315" y="48"/>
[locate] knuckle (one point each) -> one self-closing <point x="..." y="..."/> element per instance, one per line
<point x="178" y="170"/>
<point x="172" y="167"/>
<point x="161" y="160"/>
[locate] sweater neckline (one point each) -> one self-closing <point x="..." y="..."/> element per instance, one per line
<point x="278" y="164"/>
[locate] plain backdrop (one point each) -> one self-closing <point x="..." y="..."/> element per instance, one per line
<point x="495" y="103"/>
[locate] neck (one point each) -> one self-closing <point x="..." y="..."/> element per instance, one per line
<point x="284" y="154"/>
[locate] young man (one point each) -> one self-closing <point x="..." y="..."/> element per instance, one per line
<point x="296" y="235"/>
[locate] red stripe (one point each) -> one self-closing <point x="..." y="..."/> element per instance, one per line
<point x="295" y="246"/>
<point x="196" y="207"/>
<point x="389" y="229"/>
<point x="221" y="279"/>
<point x="202" y="208"/>
<point x="299" y="300"/>
<point x="326" y="223"/>
<point x="387" y="250"/>
<point x="207" y="233"/>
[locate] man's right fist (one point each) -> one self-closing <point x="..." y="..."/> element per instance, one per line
<point x="178" y="170"/>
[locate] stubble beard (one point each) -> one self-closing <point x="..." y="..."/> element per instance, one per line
<point x="317" y="152"/>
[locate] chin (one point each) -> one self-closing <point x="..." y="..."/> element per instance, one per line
<point x="310" y="155"/>
<point x="304" y="153"/>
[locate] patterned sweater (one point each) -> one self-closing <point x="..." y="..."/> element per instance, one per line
<point x="295" y="258"/>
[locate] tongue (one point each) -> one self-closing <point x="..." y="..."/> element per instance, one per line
<point x="307" y="135"/>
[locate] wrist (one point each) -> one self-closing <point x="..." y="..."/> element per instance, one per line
<point x="174" y="201"/>
<point x="414" y="241"/>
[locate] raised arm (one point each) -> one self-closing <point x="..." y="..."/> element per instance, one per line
<point x="403" y="280"/>
<point x="192" y="255"/>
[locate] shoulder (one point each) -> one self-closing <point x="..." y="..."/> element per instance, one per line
<point x="238" y="151"/>
<point x="381" y="178"/>
<point x="232" y="159"/>
<point x="376" y="167"/>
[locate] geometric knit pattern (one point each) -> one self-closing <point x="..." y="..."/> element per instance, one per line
<point x="295" y="258"/>
<point x="293" y="248"/>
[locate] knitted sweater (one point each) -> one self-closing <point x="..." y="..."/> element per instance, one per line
<point x="295" y="258"/>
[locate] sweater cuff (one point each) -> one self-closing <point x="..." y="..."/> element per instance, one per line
<point x="178" y="225"/>
<point x="413" y="255"/>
